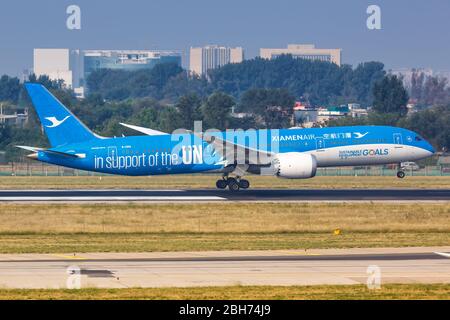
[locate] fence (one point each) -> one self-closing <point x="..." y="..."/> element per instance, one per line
<point x="33" y="169"/>
<point x="382" y="171"/>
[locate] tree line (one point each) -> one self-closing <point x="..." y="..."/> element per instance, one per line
<point x="167" y="98"/>
<point x="318" y="82"/>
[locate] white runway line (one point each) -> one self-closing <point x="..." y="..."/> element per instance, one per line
<point x="113" y="198"/>
<point x="90" y="190"/>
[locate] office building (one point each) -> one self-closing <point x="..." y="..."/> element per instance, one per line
<point x="203" y="59"/>
<point x="74" y="66"/>
<point x="56" y="64"/>
<point x="130" y="60"/>
<point x="304" y="51"/>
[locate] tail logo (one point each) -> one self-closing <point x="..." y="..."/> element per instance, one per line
<point x="55" y="122"/>
<point x="359" y="135"/>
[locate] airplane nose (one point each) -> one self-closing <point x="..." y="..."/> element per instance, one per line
<point x="429" y="147"/>
<point x="432" y="150"/>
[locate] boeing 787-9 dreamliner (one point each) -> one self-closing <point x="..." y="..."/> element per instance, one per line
<point x="283" y="153"/>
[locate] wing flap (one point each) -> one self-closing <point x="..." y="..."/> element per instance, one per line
<point x="233" y="153"/>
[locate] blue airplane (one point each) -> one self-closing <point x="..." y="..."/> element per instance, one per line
<point x="284" y="153"/>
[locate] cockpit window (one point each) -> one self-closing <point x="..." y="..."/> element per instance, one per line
<point x="418" y="138"/>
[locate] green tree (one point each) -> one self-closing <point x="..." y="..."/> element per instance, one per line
<point x="147" y="117"/>
<point x="216" y="110"/>
<point x="390" y="97"/>
<point x="9" y="89"/>
<point x="322" y="82"/>
<point x="274" y="106"/>
<point x="363" y="80"/>
<point x="432" y="124"/>
<point x="189" y="110"/>
<point x="169" y="119"/>
<point x="429" y="91"/>
<point x="122" y="85"/>
<point x="184" y="84"/>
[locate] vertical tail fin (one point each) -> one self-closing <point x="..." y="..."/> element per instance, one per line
<point x="60" y="125"/>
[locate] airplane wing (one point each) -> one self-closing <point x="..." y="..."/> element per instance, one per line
<point x="233" y="153"/>
<point x="147" y="131"/>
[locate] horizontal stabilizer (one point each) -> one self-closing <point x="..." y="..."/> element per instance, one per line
<point x="52" y="152"/>
<point x="32" y="149"/>
<point x="147" y="131"/>
<point x="64" y="154"/>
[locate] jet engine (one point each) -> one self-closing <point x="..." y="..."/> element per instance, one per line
<point x="294" y="165"/>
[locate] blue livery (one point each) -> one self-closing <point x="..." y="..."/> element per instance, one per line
<point x="285" y="153"/>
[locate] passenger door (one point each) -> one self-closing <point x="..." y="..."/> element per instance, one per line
<point x="398" y="147"/>
<point x="320" y="144"/>
<point x="112" y="152"/>
<point x="398" y="140"/>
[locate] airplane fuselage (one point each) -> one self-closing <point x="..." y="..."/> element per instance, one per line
<point x="188" y="153"/>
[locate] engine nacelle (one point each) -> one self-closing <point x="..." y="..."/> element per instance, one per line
<point x="295" y="165"/>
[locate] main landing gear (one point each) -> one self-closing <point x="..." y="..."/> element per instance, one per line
<point x="400" y="173"/>
<point x="234" y="184"/>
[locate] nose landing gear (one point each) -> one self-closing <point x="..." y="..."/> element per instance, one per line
<point x="400" y="173"/>
<point x="233" y="184"/>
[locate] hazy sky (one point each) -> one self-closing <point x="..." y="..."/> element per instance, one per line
<point x="414" y="33"/>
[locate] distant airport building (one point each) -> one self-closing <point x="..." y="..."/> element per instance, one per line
<point x="19" y="117"/>
<point x="57" y="64"/>
<point x="211" y="57"/>
<point x="309" y="116"/>
<point x="304" y="51"/>
<point x="127" y="59"/>
<point x="74" y="66"/>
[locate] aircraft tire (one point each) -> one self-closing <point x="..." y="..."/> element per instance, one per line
<point x="244" y="184"/>
<point x="233" y="185"/>
<point x="221" y="184"/>
<point x="401" y="174"/>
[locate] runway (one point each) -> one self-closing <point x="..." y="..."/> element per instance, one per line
<point x="225" y="195"/>
<point x="189" y="269"/>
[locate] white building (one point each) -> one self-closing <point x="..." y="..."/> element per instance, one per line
<point x="304" y="51"/>
<point x="211" y="57"/>
<point x="19" y="117"/>
<point x="57" y="64"/>
<point x="74" y="66"/>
